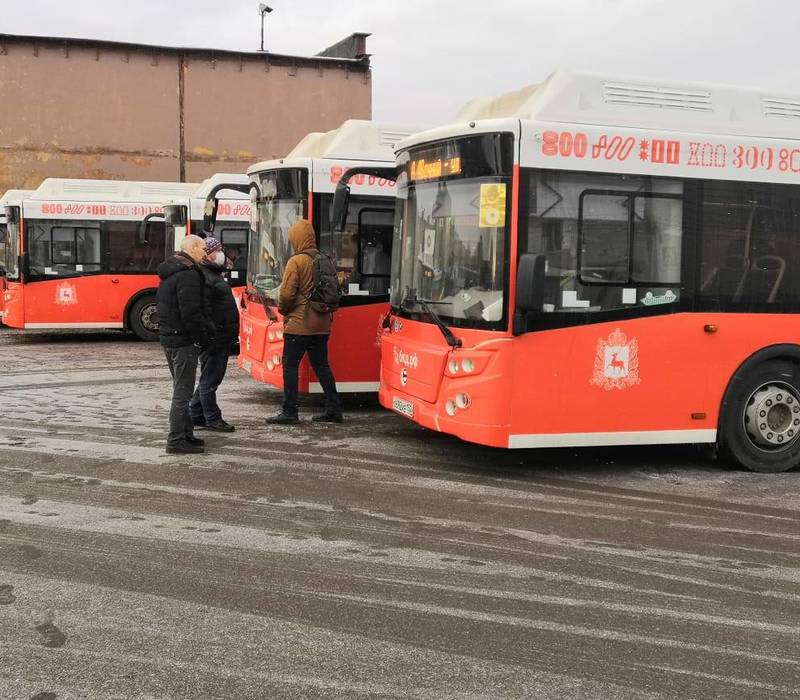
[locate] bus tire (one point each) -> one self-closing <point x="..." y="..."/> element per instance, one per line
<point x="142" y="318"/>
<point x="760" y="421"/>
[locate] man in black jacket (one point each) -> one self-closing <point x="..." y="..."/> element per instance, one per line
<point x="204" y="409"/>
<point x="185" y="328"/>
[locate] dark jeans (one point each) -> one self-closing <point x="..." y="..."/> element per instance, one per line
<point x="203" y="407"/>
<point x="294" y="347"/>
<point x="183" y="368"/>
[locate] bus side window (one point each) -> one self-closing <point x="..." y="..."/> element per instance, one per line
<point x="128" y="251"/>
<point x="363" y="249"/>
<point x="234" y="243"/>
<point x="38" y="245"/>
<point x="749" y="236"/>
<point x="87" y="249"/>
<point x="610" y="242"/>
<point x="59" y="249"/>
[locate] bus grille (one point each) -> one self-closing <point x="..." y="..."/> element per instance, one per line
<point x="781" y="108"/>
<point x="659" y="97"/>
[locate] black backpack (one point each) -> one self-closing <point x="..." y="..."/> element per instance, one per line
<point x="326" y="293"/>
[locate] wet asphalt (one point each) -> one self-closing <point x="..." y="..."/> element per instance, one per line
<point x="371" y="559"/>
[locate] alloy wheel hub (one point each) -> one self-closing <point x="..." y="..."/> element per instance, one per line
<point x="772" y="416"/>
<point x="149" y="318"/>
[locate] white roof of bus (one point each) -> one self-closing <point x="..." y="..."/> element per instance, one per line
<point x="572" y="97"/>
<point x="227" y="178"/>
<point x="111" y="190"/>
<point x="12" y="197"/>
<point x="355" y="139"/>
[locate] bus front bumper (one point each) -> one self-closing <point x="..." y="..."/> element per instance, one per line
<point x="430" y="416"/>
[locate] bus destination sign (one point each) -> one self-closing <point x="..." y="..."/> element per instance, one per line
<point x="434" y="168"/>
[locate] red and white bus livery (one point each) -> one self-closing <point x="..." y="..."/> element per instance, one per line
<point x="184" y="216"/>
<point x="9" y="244"/>
<point x="84" y="255"/>
<point x="602" y="261"/>
<point x="302" y="185"/>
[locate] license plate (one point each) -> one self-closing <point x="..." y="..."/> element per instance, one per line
<point x="404" y="407"/>
<point x="247" y="366"/>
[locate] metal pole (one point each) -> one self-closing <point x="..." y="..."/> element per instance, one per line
<point x="262" y="31"/>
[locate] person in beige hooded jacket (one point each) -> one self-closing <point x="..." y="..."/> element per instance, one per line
<point x="305" y="330"/>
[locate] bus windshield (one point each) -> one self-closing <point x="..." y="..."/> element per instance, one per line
<point x="280" y="202"/>
<point x="451" y="230"/>
<point x="9" y="245"/>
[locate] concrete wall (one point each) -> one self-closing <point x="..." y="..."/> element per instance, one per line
<point x="97" y="110"/>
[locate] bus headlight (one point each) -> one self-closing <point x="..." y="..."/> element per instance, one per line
<point x="270" y="365"/>
<point x="450" y="408"/>
<point x="468" y="366"/>
<point x="453" y="366"/>
<point x="463" y="400"/>
<point x="271" y="334"/>
<point x="279" y="334"/>
<point x="276" y="359"/>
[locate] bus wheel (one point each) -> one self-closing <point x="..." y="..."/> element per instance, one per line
<point x="760" y="424"/>
<point x="143" y="320"/>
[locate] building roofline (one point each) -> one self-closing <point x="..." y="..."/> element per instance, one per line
<point x="359" y="63"/>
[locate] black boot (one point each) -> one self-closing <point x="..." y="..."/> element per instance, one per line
<point x="283" y="419"/>
<point x="329" y="417"/>
<point x="185" y="448"/>
<point x="220" y="426"/>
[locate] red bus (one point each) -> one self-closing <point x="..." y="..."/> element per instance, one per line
<point x="9" y="245"/>
<point x="80" y="255"/>
<point x="184" y="216"/>
<point x="602" y="261"/>
<point x="302" y="185"/>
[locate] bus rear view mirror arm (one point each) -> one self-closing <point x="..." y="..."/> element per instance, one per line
<point x="341" y="196"/>
<point x="530" y="289"/>
<point x="212" y="203"/>
<point x="341" y="199"/>
<point x="142" y="229"/>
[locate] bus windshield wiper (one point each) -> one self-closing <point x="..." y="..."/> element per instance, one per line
<point x="452" y="341"/>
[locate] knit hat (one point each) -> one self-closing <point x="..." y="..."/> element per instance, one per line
<point x="212" y="246"/>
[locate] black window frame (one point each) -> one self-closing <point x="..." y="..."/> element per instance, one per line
<point x="323" y="204"/>
<point x="75" y="225"/>
<point x="632" y="196"/>
<point x="711" y="303"/>
<point x="690" y="246"/>
<point x="145" y="234"/>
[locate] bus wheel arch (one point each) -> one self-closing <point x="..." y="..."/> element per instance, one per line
<point x="140" y="315"/>
<point x="759" y="419"/>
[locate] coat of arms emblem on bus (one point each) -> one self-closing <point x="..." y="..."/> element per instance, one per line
<point x="66" y="294"/>
<point x="616" y="362"/>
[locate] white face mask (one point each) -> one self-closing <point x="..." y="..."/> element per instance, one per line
<point x="217" y="258"/>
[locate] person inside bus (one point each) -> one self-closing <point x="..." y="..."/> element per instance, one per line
<point x="184" y="328"/>
<point x="305" y="330"/>
<point x="204" y="409"/>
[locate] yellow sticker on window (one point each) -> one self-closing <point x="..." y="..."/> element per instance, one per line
<point x="493" y="205"/>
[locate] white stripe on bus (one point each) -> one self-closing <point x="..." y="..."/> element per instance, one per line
<point x="640" y="437"/>
<point x="74" y="325"/>
<point x="346" y="387"/>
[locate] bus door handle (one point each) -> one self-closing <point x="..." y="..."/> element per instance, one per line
<point x="115" y="281"/>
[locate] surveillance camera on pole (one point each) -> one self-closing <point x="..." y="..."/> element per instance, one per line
<point x="263" y="10"/>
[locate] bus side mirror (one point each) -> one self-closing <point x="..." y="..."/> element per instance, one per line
<point x="341" y="198"/>
<point x="210" y="214"/>
<point x="175" y="216"/>
<point x="530" y="289"/>
<point x="144" y="228"/>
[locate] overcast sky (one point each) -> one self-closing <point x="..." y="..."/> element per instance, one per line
<point x="432" y="56"/>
